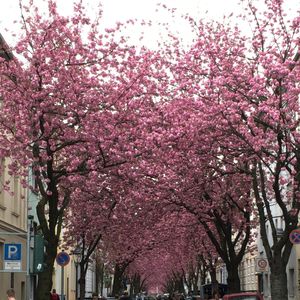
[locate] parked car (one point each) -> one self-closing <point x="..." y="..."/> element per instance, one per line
<point x="244" y="296"/>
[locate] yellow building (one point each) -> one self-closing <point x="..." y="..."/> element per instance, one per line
<point x="13" y="241"/>
<point x="248" y="271"/>
<point x="69" y="278"/>
<point x="13" y="224"/>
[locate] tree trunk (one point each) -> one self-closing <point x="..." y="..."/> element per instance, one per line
<point x="195" y="288"/>
<point x="42" y="292"/>
<point x="143" y="286"/>
<point x="117" y="284"/>
<point x="135" y="286"/>
<point x="233" y="279"/>
<point x="278" y="277"/>
<point x="83" y="269"/>
<point x="44" y="285"/>
<point x="99" y="276"/>
<point x="179" y="284"/>
<point x="202" y="279"/>
<point x="277" y="248"/>
<point x="82" y="286"/>
<point x="214" y="281"/>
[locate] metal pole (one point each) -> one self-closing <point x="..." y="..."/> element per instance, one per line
<point x="62" y="283"/>
<point x="12" y="280"/>
<point x="28" y="259"/>
<point x="76" y="285"/>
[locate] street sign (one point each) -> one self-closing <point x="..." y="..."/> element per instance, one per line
<point x="62" y="258"/>
<point x="12" y="251"/>
<point x="12" y="257"/>
<point x="295" y="236"/>
<point x="261" y="265"/>
<point x="12" y="265"/>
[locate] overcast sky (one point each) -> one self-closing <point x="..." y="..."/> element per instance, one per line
<point x="121" y="10"/>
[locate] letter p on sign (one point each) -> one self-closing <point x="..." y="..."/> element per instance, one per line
<point x="12" y="251"/>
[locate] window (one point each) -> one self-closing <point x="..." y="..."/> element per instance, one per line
<point x="2" y="181"/>
<point x="291" y="282"/>
<point x="266" y="287"/>
<point x="1" y="256"/>
<point x="16" y="197"/>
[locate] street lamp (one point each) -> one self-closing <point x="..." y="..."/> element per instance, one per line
<point x="77" y="258"/>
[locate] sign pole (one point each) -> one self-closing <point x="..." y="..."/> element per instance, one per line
<point x="62" y="282"/>
<point x="12" y="280"/>
<point x="76" y="277"/>
<point x="29" y="259"/>
<point x="262" y="282"/>
<point x="62" y="259"/>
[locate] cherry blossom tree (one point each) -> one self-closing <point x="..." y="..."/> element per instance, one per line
<point x="85" y="224"/>
<point x="74" y="99"/>
<point x="129" y="243"/>
<point x="248" y="92"/>
<point x="202" y="259"/>
<point x="84" y="109"/>
<point x="196" y="183"/>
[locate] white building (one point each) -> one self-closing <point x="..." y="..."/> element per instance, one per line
<point x="293" y="266"/>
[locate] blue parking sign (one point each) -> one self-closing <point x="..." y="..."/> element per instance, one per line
<point x="12" y="252"/>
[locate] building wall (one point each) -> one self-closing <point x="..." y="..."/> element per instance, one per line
<point x="13" y="219"/>
<point x="247" y="271"/>
<point x="293" y="267"/>
<point x="69" y="279"/>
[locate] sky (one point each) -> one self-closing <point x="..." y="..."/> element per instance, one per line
<point x="122" y="10"/>
<point x="116" y="10"/>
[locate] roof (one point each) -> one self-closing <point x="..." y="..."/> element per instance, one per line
<point x="4" y="49"/>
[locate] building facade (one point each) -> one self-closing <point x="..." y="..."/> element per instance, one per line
<point x="65" y="280"/>
<point x="293" y="266"/>
<point x="13" y="234"/>
<point x="13" y="223"/>
<point x="248" y="271"/>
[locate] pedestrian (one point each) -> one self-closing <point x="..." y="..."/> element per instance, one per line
<point x="216" y="295"/>
<point x="11" y="295"/>
<point x="125" y="296"/>
<point x="54" y="295"/>
<point x="94" y="296"/>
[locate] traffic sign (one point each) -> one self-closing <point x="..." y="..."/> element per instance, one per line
<point x="295" y="236"/>
<point x="12" y="265"/>
<point x="62" y="258"/>
<point x="261" y="264"/>
<point x="12" y="257"/>
<point x="12" y="252"/>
